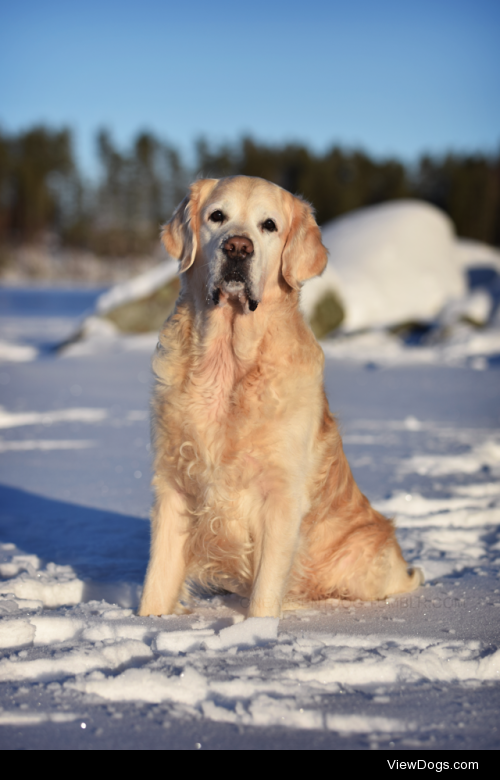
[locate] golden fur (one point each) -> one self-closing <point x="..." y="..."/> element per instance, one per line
<point x="253" y="492"/>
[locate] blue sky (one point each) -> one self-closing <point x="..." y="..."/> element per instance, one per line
<point x="393" y="77"/>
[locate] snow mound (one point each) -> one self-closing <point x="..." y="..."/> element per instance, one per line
<point x="16" y="353"/>
<point x="254" y="631"/>
<point x="98" y="331"/>
<point x="74" y="662"/>
<point x="16" y="633"/>
<point x="174" y="642"/>
<point x="54" y="587"/>
<point x="395" y="262"/>
<point x="250" y="633"/>
<point x="189" y="687"/>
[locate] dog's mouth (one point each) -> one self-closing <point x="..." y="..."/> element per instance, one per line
<point x="234" y="291"/>
<point x="234" y="286"/>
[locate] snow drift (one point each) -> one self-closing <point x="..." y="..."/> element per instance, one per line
<point x="392" y="263"/>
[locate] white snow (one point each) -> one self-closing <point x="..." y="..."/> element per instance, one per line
<point x="16" y="718"/>
<point x="424" y="443"/>
<point x="103" y="340"/>
<point x="75" y="661"/>
<point x="486" y="454"/>
<point x="53" y="586"/>
<point x="476" y="307"/>
<point x="189" y="687"/>
<point x="18" y="563"/>
<point x="450" y="534"/>
<point x="16" y="353"/>
<point x="395" y="262"/>
<point x="415" y="505"/>
<point x="364" y="725"/>
<point x="220" y="679"/>
<point x="15" y="419"/>
<point x="181" y="641"/>
<point x="45" y="444"/>
<point x="219" y="668"/>
<point x="253" y="631"/>
<point x="465" y="347"/>
<point x="475" y="254"/>
<point x="16" y="633"/>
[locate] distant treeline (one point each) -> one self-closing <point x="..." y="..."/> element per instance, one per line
<point x="42" y="191"/>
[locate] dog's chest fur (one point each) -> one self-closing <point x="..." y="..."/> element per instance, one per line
<point x="213" y="378"/>
<point x="213" y="403"/>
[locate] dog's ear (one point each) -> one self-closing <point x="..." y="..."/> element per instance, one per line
<point x="180" y="234"/>
<point x="304" y="256"/>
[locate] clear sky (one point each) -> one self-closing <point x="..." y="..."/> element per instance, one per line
<point x="392" y="76"/>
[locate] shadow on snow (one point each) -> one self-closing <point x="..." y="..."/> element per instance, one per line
<point x="100" y="545"/>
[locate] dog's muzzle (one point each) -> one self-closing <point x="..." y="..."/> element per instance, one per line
<point x="234" y="277"/>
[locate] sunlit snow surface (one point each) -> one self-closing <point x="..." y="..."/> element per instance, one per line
<point x="79" y="669"/>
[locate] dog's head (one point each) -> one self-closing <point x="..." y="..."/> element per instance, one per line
<point x="241" y="234"/>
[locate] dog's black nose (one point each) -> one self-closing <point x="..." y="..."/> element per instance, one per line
<point x="238" y="247"/>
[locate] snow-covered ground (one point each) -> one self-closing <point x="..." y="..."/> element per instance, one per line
<point x="78" y="668"/>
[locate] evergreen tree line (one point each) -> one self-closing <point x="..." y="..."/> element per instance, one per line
<point x="42" y="190"/>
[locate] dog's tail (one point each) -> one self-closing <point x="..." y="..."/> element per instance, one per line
<point x="416" y="576"/>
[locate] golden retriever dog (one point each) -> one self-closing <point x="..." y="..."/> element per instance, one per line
<point x="253" y="492"/>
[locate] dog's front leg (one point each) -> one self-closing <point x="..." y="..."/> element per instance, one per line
<point x="167" y="566"/>
<point x="282" y="517"/>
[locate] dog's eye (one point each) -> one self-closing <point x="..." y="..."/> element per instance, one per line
<point x="217" y="216"/>
<point x="269" y="225"/>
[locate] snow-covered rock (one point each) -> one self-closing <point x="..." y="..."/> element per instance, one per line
<point x="137" y="306"/>
<point x="395" y="262"/>
<point x="389" y="264"/>
<point x="139" y="287"/>
<point x="317" y="288"/>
